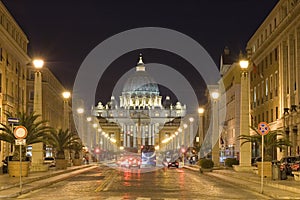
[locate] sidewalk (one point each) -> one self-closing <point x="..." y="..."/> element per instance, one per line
<point x="278" y="189"/>
<point x="10" y="186"/>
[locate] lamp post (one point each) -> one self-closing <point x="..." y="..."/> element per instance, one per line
<point x="191" y="120"/>
<point x="37" y="149"/>
<point x="80" y="112"/>
<point x="215" y="131"/>
<point x="245" y="149"/>
<point x="66" y="95"/>
<point x="200" y="129"/>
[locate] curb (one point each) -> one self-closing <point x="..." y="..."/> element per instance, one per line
<point x="63" y="175"/>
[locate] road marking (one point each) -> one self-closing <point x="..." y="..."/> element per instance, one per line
<point x="107" y="181"/>
<point x="137" y="198"/>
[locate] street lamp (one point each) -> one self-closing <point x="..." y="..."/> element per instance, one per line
<point x="37" y="149"/>
<point x="81" y="123"/>
<point x="66" y="95"/>
<point x="215" y="131"/>
<point x="191" y="119"/>
<point x="245" y="149"/>
<point x="200" y="128"/>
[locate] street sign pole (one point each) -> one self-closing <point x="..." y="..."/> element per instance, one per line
<point x="263" y="129"/>
<point x="20" y="133"/>
<point x="262" y="165"/>
<point x="20" y="169"/>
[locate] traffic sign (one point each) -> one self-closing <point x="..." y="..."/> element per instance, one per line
<point x="20" y="141"/>
<point x="263" y="128"/>
<point x="13" y="120"/>
<point x="20" y="132"/>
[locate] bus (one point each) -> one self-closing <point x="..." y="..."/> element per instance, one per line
<point x="148" y="156"/>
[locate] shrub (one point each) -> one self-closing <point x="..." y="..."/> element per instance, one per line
<point x="231" y="161"/>
<point x="206" y="163"/>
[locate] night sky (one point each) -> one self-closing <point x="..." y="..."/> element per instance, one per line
<point x="63" y="32"/>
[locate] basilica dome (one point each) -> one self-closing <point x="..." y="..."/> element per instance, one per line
<point x="140" y="83"/>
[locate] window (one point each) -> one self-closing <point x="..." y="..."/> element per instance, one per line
<point x="276" y="83"/>
<point x="267" y="85"/>
<point x="276" y="54"/>
<point x="254" y="95"/>
<point x="0" y="82"/>
<point x="267" y="116"/>
<point x="31" y="75"/>
<point x="271" y="57"/>
<point x="276" y="113"/>
<point x="272" y="115"/>
<point x="31" y="95"/>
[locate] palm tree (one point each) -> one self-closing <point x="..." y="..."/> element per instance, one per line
<point x="37" y="132"/>
<point x="77" y="147"/>
<point x="274" y="139"/>
<point x="62" y="140"/>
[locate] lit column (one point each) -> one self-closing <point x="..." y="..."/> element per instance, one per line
<point x="134" y="136"/>
<point x="124" y="135"/>
<point x="80" y="112"/>
<point x="181" y="136"/>
<point x="143" y="134"/>
<point x="200" y="128"/>
<point x="185" y="136"/>
<point x="215" y="131"/>
<point x="245" y="149"/>
<point x="66" y="96"/>
<point x="191" y="119"/>
<point x="128" y="135"/>
<point x="89" y="133"/>
<point x="149" y="135"/>
<point x="153" y="134"/>
<point x="37" y="149"/>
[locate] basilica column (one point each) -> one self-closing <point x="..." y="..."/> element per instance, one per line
<point x="149" y="134"/>
<point x="128" y="136"/>
<point x="153" y="134"/>
<point x="134" y="136"/>
<point x="143" y="134"/>
<point x="124" y="135"/>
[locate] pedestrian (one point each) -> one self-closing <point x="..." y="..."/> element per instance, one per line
<point x="87" y="159"/>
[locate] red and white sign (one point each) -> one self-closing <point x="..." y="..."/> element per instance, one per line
<point x="20" y="132"/>
<point x="263" y="128"/>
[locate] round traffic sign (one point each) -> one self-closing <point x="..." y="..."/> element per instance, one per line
<point x="263" y="128"/>
<point x="20" y="132"/>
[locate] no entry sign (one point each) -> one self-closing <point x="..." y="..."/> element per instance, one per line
<point x="263" y="128"/>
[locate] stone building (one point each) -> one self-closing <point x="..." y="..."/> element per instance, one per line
<point x="13" y="65"/>
<point x="274" y="52"/>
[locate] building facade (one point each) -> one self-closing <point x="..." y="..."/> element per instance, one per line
<point x="13" y="64"/>
<point x="230" y="128"/>
<point x="274" y="52"/>
<point x="52" y="101"/>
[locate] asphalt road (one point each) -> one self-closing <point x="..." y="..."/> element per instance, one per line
<point x="114" y="184"/>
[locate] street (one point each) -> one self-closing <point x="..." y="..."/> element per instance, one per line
<point x="173" y="183"/>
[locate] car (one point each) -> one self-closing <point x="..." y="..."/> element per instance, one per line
<point x="296" y="165"/>
<point x="286" y="163"/>
<point x="50" y="161"/>
<point x="173" y="164"/>
<point x="130" y="161"/>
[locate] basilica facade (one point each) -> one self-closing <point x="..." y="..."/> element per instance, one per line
<point x="142" y="116"/>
